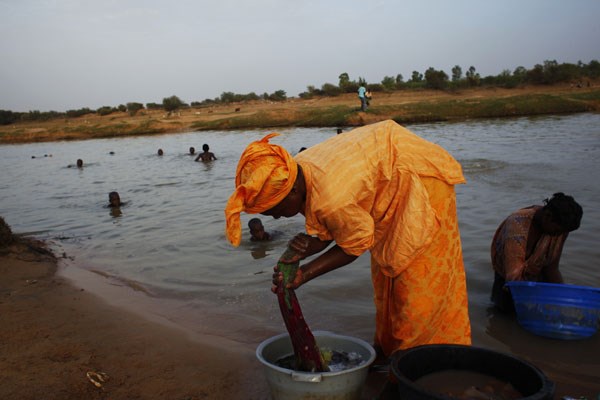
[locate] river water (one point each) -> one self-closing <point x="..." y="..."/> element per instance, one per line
<point x="168" y="246"/>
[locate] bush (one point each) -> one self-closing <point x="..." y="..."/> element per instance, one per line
<point x="133" y="108"/>
<point x="106" y="110"/>
<point x="329" y="89"/>
<point x="8" y="117"/>
<point x="79" y="113"/>
<point x="172" y="103"/>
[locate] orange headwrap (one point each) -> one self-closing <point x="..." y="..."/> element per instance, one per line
<point x="265" y="175"/>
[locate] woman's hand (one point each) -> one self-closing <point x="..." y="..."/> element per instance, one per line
<point x="306" y="245"/>
<point x="278" y="277"/>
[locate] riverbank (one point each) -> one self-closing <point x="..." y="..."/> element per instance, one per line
<point x="57" y="341"/>
<point x="341" y="111"/>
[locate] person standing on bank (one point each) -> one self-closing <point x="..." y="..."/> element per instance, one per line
<point x="362" y="97"/>
<point x="378" y="188"/>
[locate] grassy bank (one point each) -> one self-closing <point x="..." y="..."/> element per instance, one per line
<point x="403" y="107"/>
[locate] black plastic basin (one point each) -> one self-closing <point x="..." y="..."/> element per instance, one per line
<point x="409" y="365"/>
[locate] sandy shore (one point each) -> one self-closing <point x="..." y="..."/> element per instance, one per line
<point x="53" y="334"/>
<point x="56" y="337"/>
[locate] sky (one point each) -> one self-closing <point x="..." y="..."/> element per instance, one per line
<point x="57" y="55"/>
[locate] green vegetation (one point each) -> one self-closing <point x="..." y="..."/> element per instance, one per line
<point x="426" y="111"/>
<point x="548" y="73"/>
<point x="513" y="106"/>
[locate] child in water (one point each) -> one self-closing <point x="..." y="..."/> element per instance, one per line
<point x="206" y="155"/>
<point x="257" y="231"/>
<point x="114" y="200"/>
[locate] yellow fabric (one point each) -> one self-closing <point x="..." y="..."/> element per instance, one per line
<point x="427" y="302"/>
<point x="364" y="191"/>
<point x="384" y="189"/>
<point x="265" y="175"/>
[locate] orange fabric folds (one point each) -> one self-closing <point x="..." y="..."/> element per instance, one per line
<point x="265" y="175"/>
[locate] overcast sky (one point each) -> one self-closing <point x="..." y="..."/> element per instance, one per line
<point x="68" y="54"/>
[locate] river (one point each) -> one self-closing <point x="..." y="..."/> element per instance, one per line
<point x="168" y="246"/>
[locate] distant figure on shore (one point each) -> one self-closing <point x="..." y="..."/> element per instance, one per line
<point x="339" y="130"/>
<point x="192" y="151"/>
<point x="114" y="200"/>
<point x="363" y="99"/>
<point x="160" y="152"/>
<point x="257" y="231"/>
<point x="368" y="97"/>
<point x="528" y="244"/>
<point x="206" y="155"/>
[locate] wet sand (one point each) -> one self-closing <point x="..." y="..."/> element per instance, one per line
<point x="57" y="341"/>
<point x="53" y="334"/>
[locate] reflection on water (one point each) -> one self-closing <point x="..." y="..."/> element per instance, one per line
<point x="170" y="239"/>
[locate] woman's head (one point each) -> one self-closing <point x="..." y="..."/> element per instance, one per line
<point x="265" y="176"/>
<point x="563" y="214"/>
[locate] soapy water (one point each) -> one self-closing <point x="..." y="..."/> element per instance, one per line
<point x="335" y="360"/>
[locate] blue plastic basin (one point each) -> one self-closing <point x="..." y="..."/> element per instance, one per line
<point x="557" y="311"/>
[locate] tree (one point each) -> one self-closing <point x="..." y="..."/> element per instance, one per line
<point x="133" y="108"/>
<point x="329" y="89"/>
<point x="388" y="83"/>
<point x="105" y="110"/>
<point x="416" y="76"/>
<point x="227" y="97"/>
<point x="536" y="74"/>
<point x="593" y="69"/>
<point x="399" y="79"/>
<point x="473" y="77"/>
<point x="456" y="73"/>
<point x="436" y="79"/>
<point x="278" y="95"/>
<point x="8" y="117"/>
<point x="171" y="104"/>
<point x="344" y="79"/>
<point x="520" y="73"/>
<point x="153" y="106"/>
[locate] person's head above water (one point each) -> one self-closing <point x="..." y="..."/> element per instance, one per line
<point x="265" y="183"/>
<point x="79" y="163"/>
<point x="205" y="147"/>
<point x="114" y="199"/>
<point x="257" y="230"/>
<point x="560" y="214"/>
<point x="160" y="152"/>
<point x="192" y="150"/>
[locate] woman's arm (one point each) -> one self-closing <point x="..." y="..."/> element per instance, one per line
<point x="551" y="273"/>
<point x="307" y="245"/>
<point x="334" y="258"/>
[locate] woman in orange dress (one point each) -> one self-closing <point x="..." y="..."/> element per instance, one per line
<point x="382" y="189"/>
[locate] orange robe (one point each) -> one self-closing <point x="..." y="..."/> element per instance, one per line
<point x="384" y="189"/>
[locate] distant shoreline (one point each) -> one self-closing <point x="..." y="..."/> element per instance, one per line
<point x="403" y="106"/>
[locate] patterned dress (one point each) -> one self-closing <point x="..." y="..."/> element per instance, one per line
<point x="383" y="189"/>
<point x="509" y="248"/>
